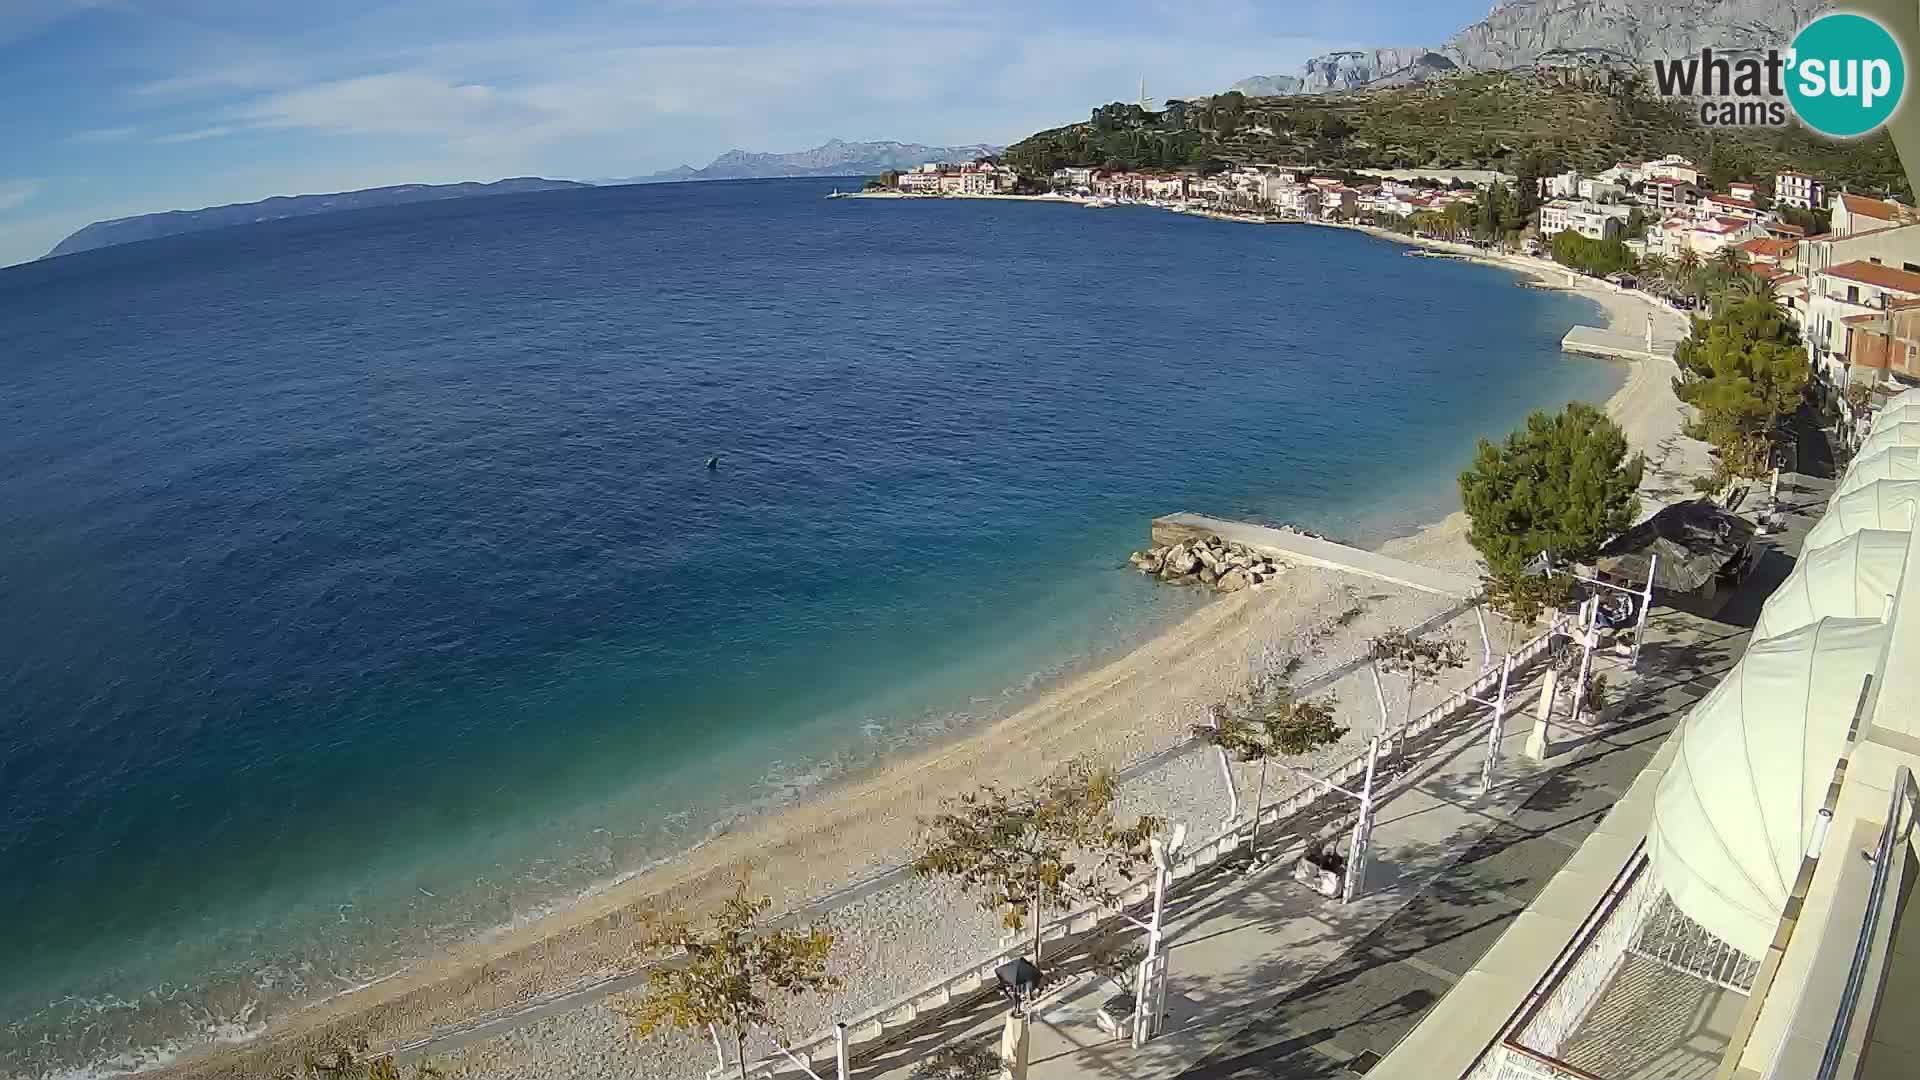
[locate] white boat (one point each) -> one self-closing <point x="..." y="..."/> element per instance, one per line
<point x="1101" y="203"/>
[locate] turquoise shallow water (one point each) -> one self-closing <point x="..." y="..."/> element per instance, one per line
<point x="366" y="586"/>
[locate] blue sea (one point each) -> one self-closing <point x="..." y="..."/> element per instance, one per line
<point x="363" y="584"/>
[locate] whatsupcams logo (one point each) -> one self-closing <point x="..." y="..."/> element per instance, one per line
<point x="1843" y="76"/>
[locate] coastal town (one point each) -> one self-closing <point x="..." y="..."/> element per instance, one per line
<point x="1844" y="266"/>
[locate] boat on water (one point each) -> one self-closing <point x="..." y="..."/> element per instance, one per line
<point x="1101" y="203"/>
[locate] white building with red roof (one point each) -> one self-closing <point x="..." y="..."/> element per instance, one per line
<point x="1858" y="213"/>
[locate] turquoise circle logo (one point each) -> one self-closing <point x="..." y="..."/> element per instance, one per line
<point x="1847" y="75"/>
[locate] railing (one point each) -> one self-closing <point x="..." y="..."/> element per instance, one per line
<point x="1672" y="940"/>
<point x="870" y="1029"/>
<point x="1570" y="995"/>
<point x="1881" y="899"/>
<point x="1549" y="1014"/>
<point x="1635" y="918"/>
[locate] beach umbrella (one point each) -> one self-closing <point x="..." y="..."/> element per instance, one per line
<point x="1882" y="504"/>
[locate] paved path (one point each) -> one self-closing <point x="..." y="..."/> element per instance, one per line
<point x="1296" y="548"/>
<point x="1250" y="943"/>
<point x="1270" y="980"/>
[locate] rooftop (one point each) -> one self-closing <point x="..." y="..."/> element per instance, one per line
<point x="1861" y="206"/>
<point x="1880" y="277"/>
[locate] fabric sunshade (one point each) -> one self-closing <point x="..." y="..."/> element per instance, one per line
<point x="1897" y="431"/>
<point x="1893" y="463"/>
<point x="1895" y="406"/>
<point x="1882" y="504"/>
<point x="1849" y="579"/>
<point x="1738" y="806"/>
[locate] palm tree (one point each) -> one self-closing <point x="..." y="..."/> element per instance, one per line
<point x="1656" y="275"/>
<point x="1754" y="285"/>
<point x="1722" y="276"/>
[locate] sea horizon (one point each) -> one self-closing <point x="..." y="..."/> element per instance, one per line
<point x="380" y="596"/>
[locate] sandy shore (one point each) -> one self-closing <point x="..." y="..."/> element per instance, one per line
<point x="895" y="938"/>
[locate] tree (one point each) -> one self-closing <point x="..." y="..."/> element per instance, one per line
<point x="1491" y="213"/>
<point x="1116" y="959"/>
<point x="1418" y="660"/>
<point x="1021" y="851"/>
<point x="1521" y="598"/>
<point x="1596" y="257"/>
<point x="1526" y="189"/>
<point x="889" y="178"/>
<point x="1280" y="727"/>
<point x="1657" y="276"/>
<point x="1563" y="484"/>
<point x="729" y="974"/>
<point x="1744" y="369"/>
<point x="971" y="1060"/>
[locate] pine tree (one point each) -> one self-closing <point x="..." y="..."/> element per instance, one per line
<point x="1564" y="484"/>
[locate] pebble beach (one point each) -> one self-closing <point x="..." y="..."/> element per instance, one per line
<point x="899" y="936"/>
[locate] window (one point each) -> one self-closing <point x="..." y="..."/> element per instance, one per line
<point x="1875" y="260"/>
<point x="1853" y="294"/>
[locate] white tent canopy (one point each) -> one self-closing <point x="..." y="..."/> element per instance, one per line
<point x="1897" y="431"/>
<point x="1893" y="463"/>
<point x="1882" y="504"/>
<point x="1737" y="807"/>
<point x="1849" y="579"/>
<point x="1895" y="406"/>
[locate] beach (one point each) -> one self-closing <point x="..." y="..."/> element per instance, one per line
<point x="897" y="936"/>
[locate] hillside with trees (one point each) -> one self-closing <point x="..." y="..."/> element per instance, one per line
<point x="1561" y="118"/>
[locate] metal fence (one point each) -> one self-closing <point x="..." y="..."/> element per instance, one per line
<point x="885" y="1023"/>
<point x="1671" y="939"/>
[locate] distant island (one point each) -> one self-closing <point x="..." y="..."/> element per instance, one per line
<point x="174" y="222"/>
<point x="831" y="158"/>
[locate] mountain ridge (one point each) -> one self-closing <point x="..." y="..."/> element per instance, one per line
<point x="1522" y="33"/>
<point x="127" y="230"/>
<point x="835" y="157"/>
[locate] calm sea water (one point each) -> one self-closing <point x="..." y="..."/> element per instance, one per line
<point x="363" y="583"/>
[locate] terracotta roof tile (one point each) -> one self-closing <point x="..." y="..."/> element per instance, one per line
<point x="1885" y="277"/>
<point x="1878" y="209"/>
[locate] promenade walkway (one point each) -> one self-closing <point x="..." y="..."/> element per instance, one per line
<point x="1306" y="550"/>
<point x="1268" y="979"/>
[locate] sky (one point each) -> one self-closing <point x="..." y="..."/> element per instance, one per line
<point x="121" y="107"/>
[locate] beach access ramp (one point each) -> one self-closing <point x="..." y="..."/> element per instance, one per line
<point x="1303" y="550"/>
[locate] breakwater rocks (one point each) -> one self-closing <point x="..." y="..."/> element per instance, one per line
<point x="1211" y="561"/>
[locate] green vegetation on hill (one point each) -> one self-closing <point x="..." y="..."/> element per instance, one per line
<point x="1584" y="119"/>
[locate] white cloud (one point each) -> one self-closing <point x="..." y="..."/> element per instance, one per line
<point x="253" y="74"/>
<point x="103" y="135"/>
<point x="198" y="134"/>
<point x="405" y="103"/>
<point x="15" y="193"/>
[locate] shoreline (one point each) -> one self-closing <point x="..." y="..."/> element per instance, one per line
<point x="1127" y="709"/>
